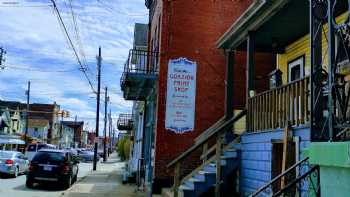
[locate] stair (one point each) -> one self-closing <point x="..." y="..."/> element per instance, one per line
<point x="205" y="178"/>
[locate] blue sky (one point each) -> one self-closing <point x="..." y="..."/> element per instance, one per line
<point x="37" y="50"/>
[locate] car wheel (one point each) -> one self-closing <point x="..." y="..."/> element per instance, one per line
<point x="68" y="183"/>
<point x="16" y="172"/>
<point x="29" y="183"/>
<point x="75" y="178"/>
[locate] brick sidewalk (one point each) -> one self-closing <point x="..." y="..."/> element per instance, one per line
<point x="105" y="182"/>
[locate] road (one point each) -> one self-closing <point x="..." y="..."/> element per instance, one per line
<point x="15" y="187"/>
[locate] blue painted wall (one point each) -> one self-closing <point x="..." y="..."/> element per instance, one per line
<point x="256" y="154"/>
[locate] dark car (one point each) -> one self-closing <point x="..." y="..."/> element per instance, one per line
<point x="53" y="166"/>
<point x="88" y="156"/>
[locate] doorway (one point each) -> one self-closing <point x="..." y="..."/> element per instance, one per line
<point x="277" y="159"/>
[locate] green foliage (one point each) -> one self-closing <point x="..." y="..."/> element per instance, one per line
<point x="123" y="148"/>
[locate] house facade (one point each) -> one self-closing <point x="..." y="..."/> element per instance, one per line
<point x="295" y="137"/>
<point x="38" y="130"/>
<point x="72" y="131"/>
<point x="11" y="127"/>
<point x="173" y="38"/>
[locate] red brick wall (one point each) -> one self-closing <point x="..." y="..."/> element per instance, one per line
<point x="190" y="28"/>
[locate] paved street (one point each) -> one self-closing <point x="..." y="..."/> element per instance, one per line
<point x="15" y="187"/>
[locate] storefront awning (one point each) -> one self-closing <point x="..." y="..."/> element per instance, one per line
<point x="11" y="141"/>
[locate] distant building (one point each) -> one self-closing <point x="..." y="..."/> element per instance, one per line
<point x="91" y="138"/>
<point x="77" y="127"/>
<point x="10" y="129"/>
<point x="38" y="129"/>
<point x="66" y="135"/>
<point x="84" y="138"/>
<point x="49" y="112"/>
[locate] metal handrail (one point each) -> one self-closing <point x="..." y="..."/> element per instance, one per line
<point x="201" y="142"/>
<point x="298" y="179"/>
<point x="278" y="177"/>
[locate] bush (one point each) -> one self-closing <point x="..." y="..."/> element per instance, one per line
<point x="123" y="148"/>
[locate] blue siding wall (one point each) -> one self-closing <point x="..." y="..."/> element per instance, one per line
<point x="256" y="154"/>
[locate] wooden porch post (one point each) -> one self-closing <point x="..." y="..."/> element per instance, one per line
<point x="250" y="71"/>
<point x="177" y="179"/>
<point x="230" y="61"/>
<point x="218" y="165"/>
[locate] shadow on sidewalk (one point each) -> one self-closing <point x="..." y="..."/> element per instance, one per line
<point x="105" y="182"/>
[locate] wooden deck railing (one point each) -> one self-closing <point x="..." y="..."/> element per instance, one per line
<point x="275" y="108"/>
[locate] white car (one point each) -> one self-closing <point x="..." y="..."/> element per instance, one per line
<point x="13" y="163"/>
<point x="34" y="148"/>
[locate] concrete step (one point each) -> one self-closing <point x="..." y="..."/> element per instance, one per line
<point x="185" y="187"/>
<point x="209" y="168"/>
<point x="196" y="180"/>
<point x="200" y="177"/>
<point x="223" y="163"/>
<point x="230" y="154"/>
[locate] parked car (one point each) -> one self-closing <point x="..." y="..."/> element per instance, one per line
<point x="100" y="152"/>
<point x="13" y="163"/>
<point x="73" y="151"/>
<point x="34" y="148"/>
<point x="50" y="165"/>
<point x="88" y="156"/>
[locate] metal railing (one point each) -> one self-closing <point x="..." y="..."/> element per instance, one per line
<point x="299" y="179"/>
<point x="140" y="62"/>
<point x="125" y="122"/>
<point x="276" y="108"/>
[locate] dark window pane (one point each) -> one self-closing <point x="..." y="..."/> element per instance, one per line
<point x="295" y="73"/>
<point x="31" y="147"/>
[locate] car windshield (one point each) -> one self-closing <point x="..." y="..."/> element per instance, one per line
<point x="51" y="157"/>
<point x="5" y="154"/>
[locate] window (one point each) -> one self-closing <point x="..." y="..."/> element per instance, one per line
<point x="52" y="157"/>
<point x="296" y="69"/>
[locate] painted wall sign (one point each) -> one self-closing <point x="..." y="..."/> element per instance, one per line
<point x="181" y="96"/>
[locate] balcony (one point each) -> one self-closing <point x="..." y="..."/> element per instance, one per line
<point x="279" y="107"/>
<point x="140" y="73"/>
<point x="125" y="122"/>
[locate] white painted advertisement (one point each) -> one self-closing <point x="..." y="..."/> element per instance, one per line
<point x="181" y="96"/>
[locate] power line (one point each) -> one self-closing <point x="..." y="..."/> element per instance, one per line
<point x="111" y="10"/>
<point x="82" y="68"/>
<point x="37" y="69"/>
<point x="77" y="35"/>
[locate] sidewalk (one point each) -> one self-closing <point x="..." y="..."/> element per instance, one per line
<point x="105" y="182"/>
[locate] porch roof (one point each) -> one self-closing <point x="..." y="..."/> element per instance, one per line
<point x="276" y="23"/>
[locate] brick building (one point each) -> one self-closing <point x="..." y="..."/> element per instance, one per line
<point x="185" y="29"/>
<point x="190" y="29"/>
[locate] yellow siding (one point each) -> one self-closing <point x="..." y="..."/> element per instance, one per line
<point x="302" y="47"/>
<point x="239" y="127"/>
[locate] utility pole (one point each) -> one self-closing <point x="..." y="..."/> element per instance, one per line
<point x="75" y="131"/>
<point x="105" y="128"/>
<point x="27" y="115"/>
<point x="2" y="59"/>
<point x="109" y="131"/>
<point x="113" y="142"/>
<point x="99" y="60"/>
<point x="61" y="130"/>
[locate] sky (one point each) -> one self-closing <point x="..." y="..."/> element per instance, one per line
<point x="38" y="50"/>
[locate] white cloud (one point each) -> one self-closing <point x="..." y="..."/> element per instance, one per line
<point x="34" y="41"/>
